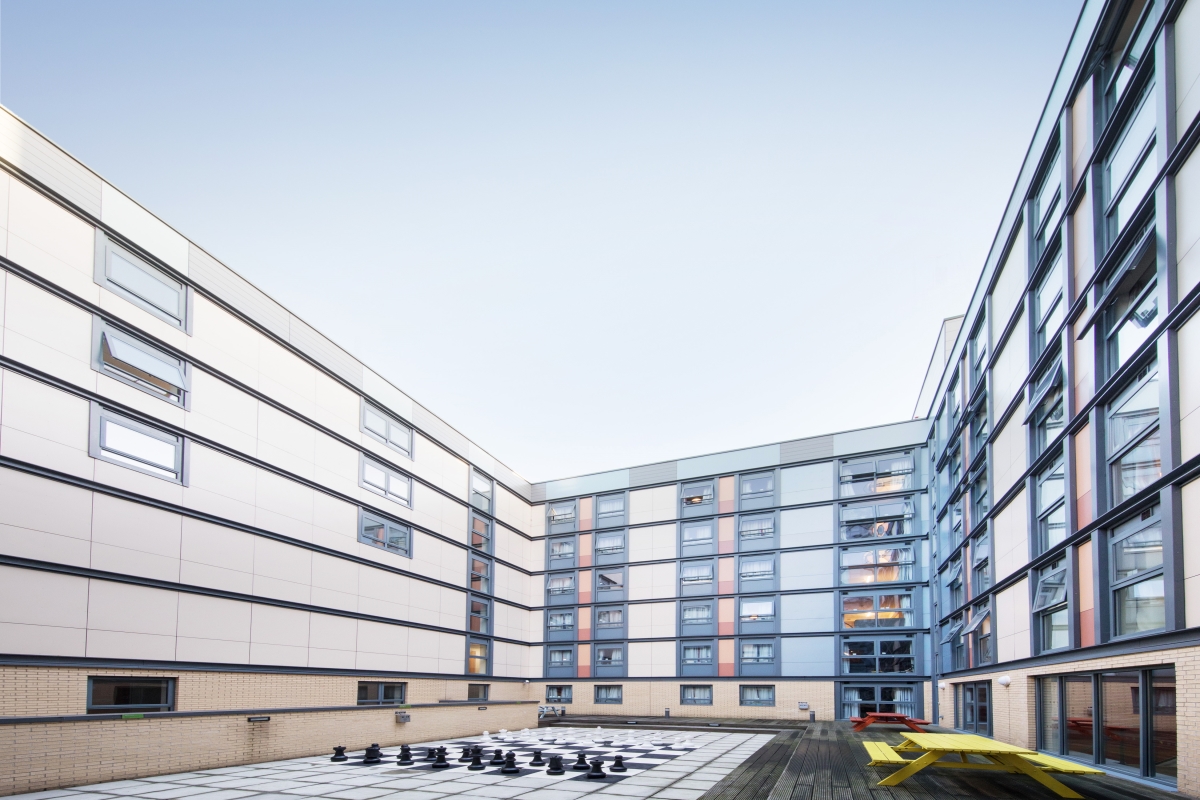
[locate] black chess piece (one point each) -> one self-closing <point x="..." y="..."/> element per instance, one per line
<point x="556" y="766"/>
<point x="581" y="762"/>
<point x="466" y="756"/>
<point x="597" y="770"/>
<point x="477" y="759"/>
<point x="431" y="754"/>
<point x="497" y="759"/>
<point x="405" y="758"/>
<point x="537" y="759"/>
<point x="510" y="764"/>
<point x="618" y="764"/>
<point x="373" y="755"/>
<point x="339" y="754"/>
<point x="441" y="762"/>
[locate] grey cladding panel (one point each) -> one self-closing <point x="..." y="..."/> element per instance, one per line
<point x="537" y="493"/>
<point x="511" y="479"/>
<point x="432" y="424"/>
<point x="45" y="162"/>
<point x="664" y="472"/>
<point x="238" y="292"/>
<point x="325" y="352"/>
<point x="806" y="449"/>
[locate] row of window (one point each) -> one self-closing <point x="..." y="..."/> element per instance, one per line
<point x="691" y="695"/>
<point x="115" y="695"/>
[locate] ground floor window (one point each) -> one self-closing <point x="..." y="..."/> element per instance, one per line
<point x="558" y="694"/>
<point x="477" y="691"/>
<point x="371" y="693"/>
<point x="973" y="707"/>
<point x="696" y="695"/>
<point x="1121" y="720"/>
<point x="858" y="700"/>
<point x="126" y="695"/>
<point x="756" y="695"/>
<point x="608" y="694"/>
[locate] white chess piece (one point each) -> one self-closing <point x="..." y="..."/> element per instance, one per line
<point x="487" y="737"/>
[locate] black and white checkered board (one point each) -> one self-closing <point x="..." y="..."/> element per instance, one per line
<point x="637" y="758"/>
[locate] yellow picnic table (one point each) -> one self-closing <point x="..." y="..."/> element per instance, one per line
<point x="998" y="756"/>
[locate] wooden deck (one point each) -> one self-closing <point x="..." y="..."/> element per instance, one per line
<point x="828" y="762"/>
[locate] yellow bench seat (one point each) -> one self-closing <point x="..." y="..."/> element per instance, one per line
<point x="883" y="755"/>
<point x="1052" y="764"/>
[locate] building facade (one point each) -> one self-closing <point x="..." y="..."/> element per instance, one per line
<point x="223" y="539"/>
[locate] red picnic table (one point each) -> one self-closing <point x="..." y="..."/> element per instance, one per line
<point x="888" y="718"/>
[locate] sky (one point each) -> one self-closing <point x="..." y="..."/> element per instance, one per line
<point x="588" y="235"/>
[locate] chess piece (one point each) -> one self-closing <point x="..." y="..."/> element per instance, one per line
<point x="580" y="762"/>
<point x="477" y="760"/>
<point x="556" y="766"/>
<point x="405" y="758"/>
<point x="441" y="762"/>
<point x="497" y="759"/>
<point x="487" y="737"/>
<point x="597" y="770"/>
<point x="431" y="754"/>
<point x="339" y="754"/>
<point x="466" y="756"/>
<point x="373" y="755"/>
<point x="618" y="764"/>
<point x="686" y="744"/>
<point x="537" y="759"/>
<point x="510" y="764"/>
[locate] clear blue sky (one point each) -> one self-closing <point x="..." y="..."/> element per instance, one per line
<point x="587" y="234"/>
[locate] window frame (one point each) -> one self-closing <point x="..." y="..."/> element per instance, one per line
<point x="616" y="700"/>
<point x="565" y="692"/>
<point x="900" y="591"/>
<point x="473" y="657"/>
<point x="551" y="627"/>
<point x="877" y="656"/>
<point x="561" y="663"/>
<point x="1051" y="510"/>
<point x="706" y="496"/>
<point x="390" y="474"/>
<point x="487" y="534"/>
<point x="1129" y="527"/>
<point x="756" y="495"/>
<point x="608" y="551"/>
<point x="103" y="331"/>
<point x="479" y="582"/>
<point x="390" y="421"/>
<point x="1047" y="405"/>
<point x="684" y="700"/>
<point x="875" y="564"/>
<point x="608" y="515"/>
<point x="481" y="690"/>
<point x="698" y="660"/>
<point x="569" y="588"/>
<point x="769" y="533"/>
<point x="742" y="701"/>
<point x="552" y="519"/>
<point x="484" y="627"/>
<point x="770" y="617"/>
<point x="848" y="477"/>
<point x="489" y="504"/>
<point x="771" y="651"/>
<point x="379" y="698"/>
<point x="1114" y="457"/>
<point x="92" y="707"/>
<point x="613" y="662"/>
<point x="101" y="417"/>
<point x="365" y="515"/>
<point x="904" y="522"/>
<point x="106" y="248"/>
<point x="1046" y="608"/>
<point x="597" y="588"/>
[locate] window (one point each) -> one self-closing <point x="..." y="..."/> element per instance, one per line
<point x="562" y="513"/>
<point x="696" y="494"/>
<point x="477" y="658"/>
<point x="757" y="611"/>
<point x="953" y="403"/>
<point x="120" y="440"/>
<point x="608" y="694"/>
<point x="1050" y="606"/>
<point x="980" y="504"/>
<point x="560" y="584"/>
<point x="132" y="361"/>
<point x="371" y="693"/>
<point x="758" y="486"/>
<point x="980" y="630"/>
<point x="481" y="491"/>
<point x="757" y="569"/>
<point x="952" y="579"/>
<point x="478" y="691"/>
<point x="610" y="618"/>
<point x="561" y="621"/>
<point x="1049" y="307"/>
<point x="1052" y="509"/>
<point x="695" y="695"/>
<point x="385" y="534"/>
<point x="610" y="509"/>
<point x="562" y="658"/>
<point x="695" y="533"/>
<point x="758" y="653"/>
<point x="562" y="548"/>
<point x="696" y="573"/>
<point x="143" y="285"/>
<point x="697" y="654"/>
<point x="481" y="575"/>
<point x="877" y="610"/>
<point x="480" y="613"/>
<point x="979" y="431"/>
<point x="610" y="656"/>
<point x="610" y="581"/>
<point x="610" y="544"/>
<point x="387" y="482"/>
<point x="877" y="565"/>
<point x="1047" y="404"/>
<point x="886" y="474"/>
<point x="698" y="614"/>
<point x="978" y="348"/>
<point x="1137" y="575"/>
<point x="481" y="533"/>
<point x="1130" y="302"/>
<point x="952" y="634"/>
<point x="1132" y="165"/>
<point x="558" y="694"/>
<point x="869" y="656"/>
<point x="387" y="429"/>
<point x="1048" y="203"/>
<point x="859" y="700"/>
<point x="1126" y="50"/>
<point x="757" y="695"/>
<point x="1133" y="441"/>
<point x="756" y="527"/>
<point x="981" y="552"/>
<point x="130" y="695"/>
<point x="877" y="521"/>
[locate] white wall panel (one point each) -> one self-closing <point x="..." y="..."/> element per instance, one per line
<point x="805" y="613"/>
<point x="807" y="569"/>
<point x="809" y="483"/>
<point x="802" y="527"/>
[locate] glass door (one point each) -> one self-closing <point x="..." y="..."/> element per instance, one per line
<point x="974" y="702"/>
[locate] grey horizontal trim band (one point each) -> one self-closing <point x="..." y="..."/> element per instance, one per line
<point x="152" y="583"/>
<point x="112" y="491"/>
<point x="152" y="715"/>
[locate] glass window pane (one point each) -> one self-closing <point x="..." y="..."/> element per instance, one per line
<point x="139" y="448"/>
<point x="375" y="422"/>
<point x="1133" y="414"/>
<point x="1121" y="710"/>
<point x="161" y="372"/>
<point x="1163" y="748"/>
<point x="1140" y="552"/>
<point x="148" y="287"/>
<point x="1138" y="468"/>
<point x="1140" y="607"/>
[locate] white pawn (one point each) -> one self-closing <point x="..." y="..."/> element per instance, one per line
<point x="487" y="737"/>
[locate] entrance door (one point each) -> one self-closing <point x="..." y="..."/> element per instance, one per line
<point x="974" y="707"/>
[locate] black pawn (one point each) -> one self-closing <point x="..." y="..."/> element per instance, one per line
<point x="339" y="754"/>
<point x="618" y="764"/>
<point x="466" y="756"/>
<point x="510" y="764"/>
<point x="581" y="762"/>
<point x="477" y="759"/>
<point x="431" y="754"/>
<point x="372" y="756"/>
<point x="405" y="758"/>
<point x="556" y="767"/>
<point x="441" y="762"/>
<point x="497" y="759"/>
<point x="597" y="771"/>
<point x="537" y="759"/>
